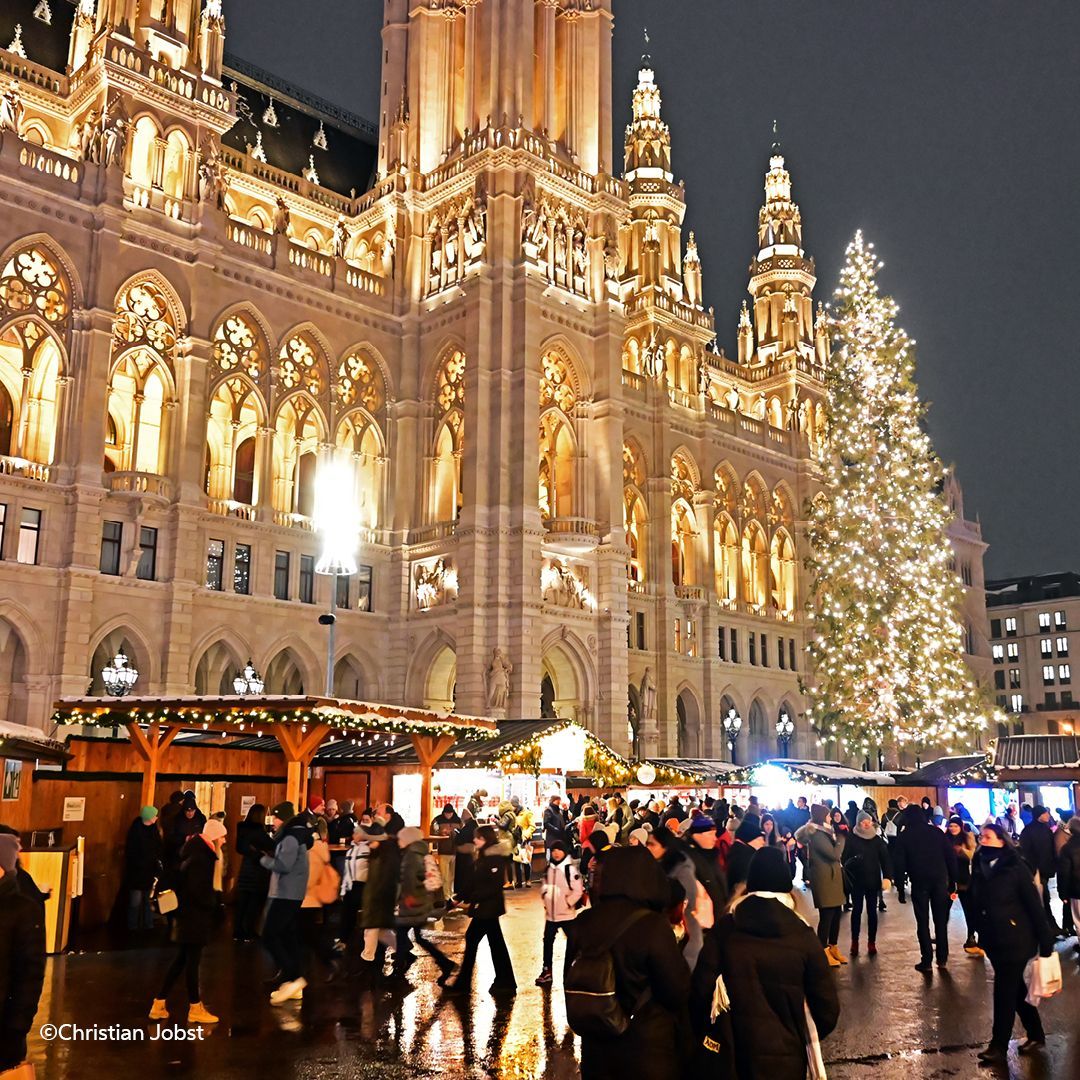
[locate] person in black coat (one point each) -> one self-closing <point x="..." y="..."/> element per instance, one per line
<point x="924" y="854"/>
<point x="1069" y="872"/>
<point x="187" y="822"/>
<point x="555" y="821"/>
<point x="652" y="981"/>
<point x="1037" y="850"/>
<point x="748" y="839"/>
<point x="868" y="869"/>
<point x="773" y="969"/>
<point x="142" y="867"/>
<point x="22" y="957"/>
<point x="253" y="882"/>
<point x="1012" y="929"/>
<point x="701" y="847"/>
<point x="195" y="919"/>
<point x="484" y="897"/>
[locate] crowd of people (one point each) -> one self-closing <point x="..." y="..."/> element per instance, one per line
<point x="686" y="947"/>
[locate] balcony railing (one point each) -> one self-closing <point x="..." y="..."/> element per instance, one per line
<point x="572" y="534"/>
<point x="138" y="483"/>
<point x="231" y="508"/>
<point x="690" y="592"/>
<point x="289" y="520"/>
<point x="30" y="470"/>
<point x="441" y="530"/>
<point x="633" y="380"/>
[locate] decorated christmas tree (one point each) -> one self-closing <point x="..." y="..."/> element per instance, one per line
<point x="887" y="647"/>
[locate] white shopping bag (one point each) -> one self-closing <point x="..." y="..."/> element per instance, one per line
<point x="1043" y="977"/>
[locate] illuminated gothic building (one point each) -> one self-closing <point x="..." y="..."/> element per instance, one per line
<point x="213" y="285"/>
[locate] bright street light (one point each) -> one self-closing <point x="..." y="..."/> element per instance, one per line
<point x="249" y="681"/>
<point x="119" y="676"/>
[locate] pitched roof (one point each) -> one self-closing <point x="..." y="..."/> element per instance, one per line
<point x="938" y="773"/>
<point x="1037" y="752"/>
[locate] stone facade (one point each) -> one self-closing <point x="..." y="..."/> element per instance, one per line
<point x="569" y="500"/>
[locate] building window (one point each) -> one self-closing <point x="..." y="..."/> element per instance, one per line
<point x="965" y="573"/>
<point x="1016" y="703"/>
<point x="215" y="560"/>
<point x="791" y="655"/>
<point x="1013" y="650"/>
<point x="29" y="532"/>
<point x="1063" y="646"/>
<point x="721" y="643"/>
<point x="1001" y="701"/>
<point x="1064" y="673"/>
<point x="147" y="568"/>
<point x="999" y="679"/>
<point x="112" y="535"/>
<point x="734" y="645"/>
<point x="281" y="575"/>
<point x="999" y="654"/>
<point x="678" y="635"/>
<point x="691" y="638"/>
<point x="764" y="651"/>
<point x="1046" y="646"/>
<point x="1010" y="627"/>
<point x="780" y="653"/>
<point x="1044" y="620"/>
<point x="995" y="628"/>
<point x="1059" y="621"/>
<point x="307" y="579"/>
<point x="1014" y="678"/>
<point x="1050" y="700"/>
<point x="241" y="574"/>
<point x="639" y="623"/>
<point x="753" y="647"/>
<point x="1018" y="726"/>
<point x="342" y="598"/>
<point x="1066" y="697"/>
<point x="1048" y="674"/>
<point x="365" y="594"/>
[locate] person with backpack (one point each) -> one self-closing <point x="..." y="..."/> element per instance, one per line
<point x="418" y="883"/>
<point x="563" y="893"/>
<point x="626" y="984"/>
<point x="868" y="868"/>
<point x="354" y="878"/>
<point x="288" y="866"/>
<point x="892" y="824"/>
<point x="484" y="897"/>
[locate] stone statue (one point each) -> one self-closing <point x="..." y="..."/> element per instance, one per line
<point x="282" y="217"/>
<point x="214" y="181"/>
<point x="731" y="399"/>
<point x="113" y="140"/>
<point x="87" y="130"/>
<point x="648" y="696"/>
<point x="341" y="237"/>
<point x="703" y="377"/>
<point x="497" y="678"/>
<point x="11" y="108"/>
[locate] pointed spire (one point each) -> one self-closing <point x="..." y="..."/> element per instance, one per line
<point x="16" y="45"/>
<point x="270" y="118"/>
<point x="43" y="13"/>
<point x="257" y="151"/>
<point x="775" y="139"/>
<point x="86" y="11"/>
<point x="310" y="174"/>
<point x="692" y="256"/>
<point x="319" y="141"/>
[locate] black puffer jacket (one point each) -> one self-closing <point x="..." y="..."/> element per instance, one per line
<point x="707" y="871"/>
<point x="1037" y="849"/>
<point x="923" y="852"/>
<point x="1068" y="877"/>
<point x="142" y="855"/>
<point x="651" y="976"/>
<point x="1007" y="907"/>
<point x="22" y="968"/>
<point x="484" y="885"/>
<point x="196" y="915"/>
<point x="772" y="964"/>
<point x="252" y="843"/>
<point x="866" y="861"/>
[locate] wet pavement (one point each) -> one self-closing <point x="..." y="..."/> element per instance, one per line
<point x="895" y="1023"/>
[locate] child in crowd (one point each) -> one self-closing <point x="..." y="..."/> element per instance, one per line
<point x="563" y="894"/>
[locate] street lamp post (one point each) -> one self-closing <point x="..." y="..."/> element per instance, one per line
<point x="335" y="519"/>
<point x="784" y="730"/>
<point x="732" y="725"/>
<point x="118" y="676"/>
<point x="249" y="682"/>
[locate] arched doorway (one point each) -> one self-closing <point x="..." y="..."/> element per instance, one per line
<point x="283" y="675"/>
<point x="688" y="735"/>
<point x="217" y="668"/>
<point x="441" y="685"/>
<point x="349" y="682"/>
<point x="759" y="734"/>
<point x="116" y="641"/>
<point x="547" y="698"/>
<point x="12" y="675"/>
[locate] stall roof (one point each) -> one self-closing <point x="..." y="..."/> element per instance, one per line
<point x="22" y="743"/>
<point x="711" y="770"/>
<point x="943" y="770"/>
<point x="825" y="772"/>
<point x="1037" y="752"/>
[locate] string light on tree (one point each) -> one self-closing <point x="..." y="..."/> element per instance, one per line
<point x="888" y="644"/>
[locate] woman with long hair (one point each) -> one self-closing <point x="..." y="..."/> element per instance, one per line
<point x="253" y="882"/>
<point x="1012" y="929"/>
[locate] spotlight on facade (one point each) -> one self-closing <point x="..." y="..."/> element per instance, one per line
<point x="249" y="681"/>
<point x="118" y="676"/>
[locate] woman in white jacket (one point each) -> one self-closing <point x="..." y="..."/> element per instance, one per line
<point x="562" y="894"/>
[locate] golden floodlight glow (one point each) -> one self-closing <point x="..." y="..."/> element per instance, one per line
<point x="336" y="518"/>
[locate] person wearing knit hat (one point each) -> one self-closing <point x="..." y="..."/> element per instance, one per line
<point x="142" y="867"/>
<point x="289" y="868"/>
<point x="1037" y="850"/>
<point x="22" y="947"/>
<point x="824" y="852"/>
<point x="748" y="839"/>
<point x="768" y="963"/>
<point x="965" y="846"/>
<point x="701" y="846"/>
<point x="638" y="837"/>
<point x="195" y="921"/>
<point x="868" y="869"/>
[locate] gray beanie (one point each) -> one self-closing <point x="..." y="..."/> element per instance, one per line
<point x="9" y="852"/>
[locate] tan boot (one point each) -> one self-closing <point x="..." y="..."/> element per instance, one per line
<point x="199" y="1014"/>
<point x="837" y="955"/>
<point x="159" y="1010"/>
<point x="833" y="962"/>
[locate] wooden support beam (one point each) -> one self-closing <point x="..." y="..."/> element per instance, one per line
<point x="430" y="750"/>
<point x="151" y="745"/>
<point x="299" y="747"/>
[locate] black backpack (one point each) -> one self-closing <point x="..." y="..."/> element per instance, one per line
<point x="593" y="1009"/>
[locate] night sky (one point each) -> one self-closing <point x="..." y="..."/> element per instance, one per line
<point x="946" y="131"/>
